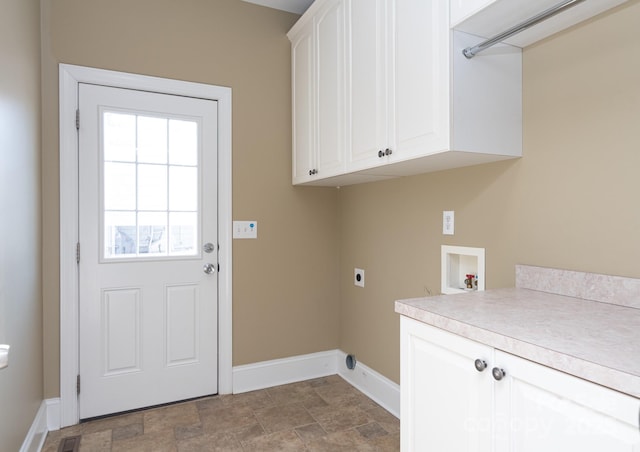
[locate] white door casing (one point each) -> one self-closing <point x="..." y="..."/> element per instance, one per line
<point x="147" y="203"/>
<point x="70" y="78"/>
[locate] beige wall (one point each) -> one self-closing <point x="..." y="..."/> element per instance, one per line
<point x="20" y="225"/>
<point x="286" y="299"/>
<point x="570" y="202"/>
<point x="293" y="290"/>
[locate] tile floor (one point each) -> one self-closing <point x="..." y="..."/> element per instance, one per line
<point x="324" y="414"/>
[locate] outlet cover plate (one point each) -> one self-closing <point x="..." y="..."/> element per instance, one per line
<point x="358" y="277"/>
<point x="448" y="222"/>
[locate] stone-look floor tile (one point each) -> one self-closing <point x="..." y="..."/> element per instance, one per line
<point x="96" y="442"/>
<point x="323" y="414"/>
<point x="52" y="441"/>
<point x="284" y="417"/>
<point x="188" y="431"/>
<point x="325" y="380"/>
<point x="248" y="432"/>
<point x="365" y="403"/>
<point x="111" y="422"/>
<point x="334" y="419"/>
<point x="310" y="432"/>
<point x="387" y="443"/>
<point x="371" y="430"/>
<point x="386" y="420"/>
<point x="127" y="431"/>
<point x="213" y="403"/>
<point x="345" y="441"/>
<point x="339" y="393"/>
<point x="169" y="417"/>
<point x="254" y="400"/>
<point x="292" y="393"/>
<point x="149" y="442"/>
<point x="211" y="442"/>
<point x="79" y="429"/>
<point x="313" y="401"/>
<point x="286" y="441"/>
<point x="231" y="418"/>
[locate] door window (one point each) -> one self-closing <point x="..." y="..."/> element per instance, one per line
<point x="150" y="185"/>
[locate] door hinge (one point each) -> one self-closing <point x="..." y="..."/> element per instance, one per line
<point x="78" y="384"/>
<point x="77" y="252"/>
<point x="78" y="119"/>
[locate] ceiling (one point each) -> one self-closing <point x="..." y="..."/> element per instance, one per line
<point x="292" y="6"/>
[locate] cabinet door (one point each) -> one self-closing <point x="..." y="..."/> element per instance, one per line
<point x="419" y="82"/>
<point x="331" y="81"/>
<point x="446" y="404"/>
<point x="538" y="408"/>
<point x="368" y="88"/>
<point x="303" y="106"/>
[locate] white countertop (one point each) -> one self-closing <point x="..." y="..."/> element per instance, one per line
<point x="596" y="341"/>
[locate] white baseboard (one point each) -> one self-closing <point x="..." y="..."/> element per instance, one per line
<point x="266" y="374"/>
<point x="53" y="414"/>
<point x="36" y="435"/>
<point x="47" y="419"/>
<point x="377" y="387"/>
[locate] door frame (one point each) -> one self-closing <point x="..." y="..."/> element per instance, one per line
<point x="70" y="77"/>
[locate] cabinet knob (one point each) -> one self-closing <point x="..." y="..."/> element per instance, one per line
<point x="312" y="172"/>
<point x="388" y="151"/>
<point x="480" y="365"/>
<point x="381" y="153"/>
<point x="498" y="374"/>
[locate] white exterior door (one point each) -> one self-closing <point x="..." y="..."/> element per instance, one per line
<point x="147" y="233"/>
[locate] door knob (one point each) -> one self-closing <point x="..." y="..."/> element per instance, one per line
<point x="209" y="268"/>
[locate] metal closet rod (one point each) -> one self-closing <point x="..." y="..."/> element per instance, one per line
<point x="470" y="52"/>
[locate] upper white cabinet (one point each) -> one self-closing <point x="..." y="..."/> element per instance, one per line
<point x="487" y="18"/>
<point x="319" y="78"/>
<point x="368" y="81"/>
<point x="398" y="80"/>
<point x="407" y="100"/>
<point x="304" y="160"/>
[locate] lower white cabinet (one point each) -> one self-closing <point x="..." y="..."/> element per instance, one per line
<point x="460" y="395"/>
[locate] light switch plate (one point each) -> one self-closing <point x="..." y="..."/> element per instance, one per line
<point x="245" y="229"/>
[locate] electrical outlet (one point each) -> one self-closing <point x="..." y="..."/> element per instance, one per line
<point x="358" y="277"/>
<point x="447" y="222"/>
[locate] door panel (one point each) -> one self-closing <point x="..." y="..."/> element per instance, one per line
<point x="183" y="306"/>
<point x="148" y="203"/>
<point x="446" y="402"/>
<point x="538" y="408"/>
<point x="121" y="330"/>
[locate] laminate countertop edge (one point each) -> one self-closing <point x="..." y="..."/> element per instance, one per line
<point x="595" y="341"/>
